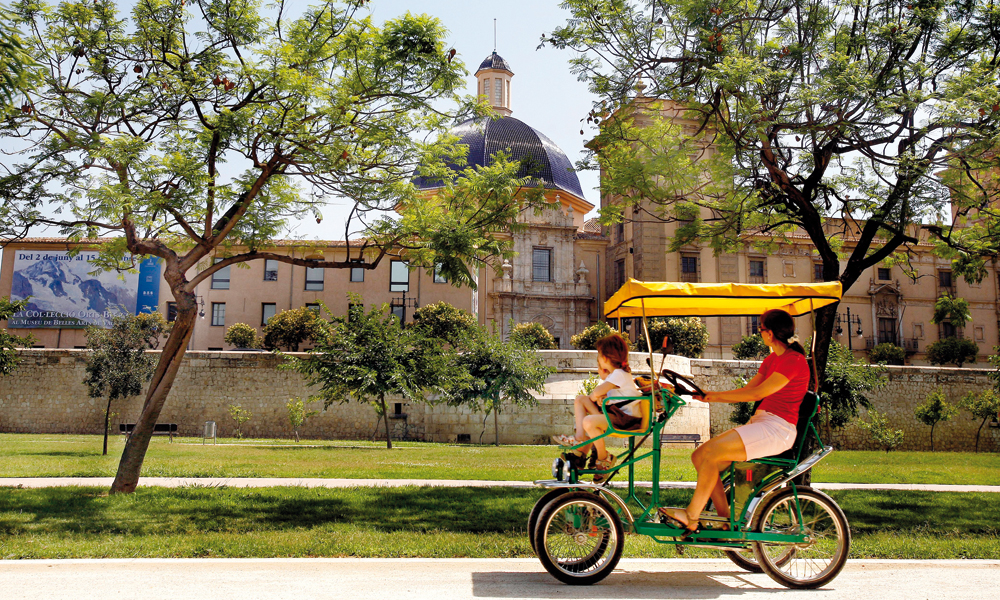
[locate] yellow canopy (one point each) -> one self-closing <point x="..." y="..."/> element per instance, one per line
<point x="673" y="299"/>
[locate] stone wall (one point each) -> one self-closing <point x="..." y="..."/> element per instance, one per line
<point x="906" y="388"/>
<point x="45" y="394"/>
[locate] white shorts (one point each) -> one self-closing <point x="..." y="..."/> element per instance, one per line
<point x="766" y="435"/>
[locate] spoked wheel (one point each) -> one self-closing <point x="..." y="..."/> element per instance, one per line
<point x="579" y="538"/>
<point x="536" y="510"/>
<point x="815" y="562"/>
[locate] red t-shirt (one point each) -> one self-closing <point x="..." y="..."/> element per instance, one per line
<point x="785" y="402"/>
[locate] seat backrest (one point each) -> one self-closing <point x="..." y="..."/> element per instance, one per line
<point x="643" y="428"/>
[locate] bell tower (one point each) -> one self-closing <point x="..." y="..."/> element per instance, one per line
<point x="493" y="83"/>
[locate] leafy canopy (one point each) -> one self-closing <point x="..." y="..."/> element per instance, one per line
<point x="10" y="343"/>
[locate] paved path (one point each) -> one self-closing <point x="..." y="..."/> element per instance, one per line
<point x="246" y="482"/>
<point x="404" y="579"/>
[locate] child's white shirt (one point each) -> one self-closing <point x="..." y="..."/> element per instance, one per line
<point x="626" y="388"/>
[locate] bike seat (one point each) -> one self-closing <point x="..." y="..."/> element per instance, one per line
<point x="643" y="428"/>
<point x="792" y="456"/>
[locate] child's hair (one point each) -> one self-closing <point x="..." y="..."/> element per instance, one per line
<point x="615" y="349"/>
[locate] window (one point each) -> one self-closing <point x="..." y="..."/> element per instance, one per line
<point x="220" y="279"/>
<point x="541" y="264"/>
<point x="817" y="271"/>
<point x="946" y="330"/>
<point x="887" y="331"/>
<point x="353" y="309"/>
<point x="267" y="310"/>
<point x="753" y="324"/>
<point x="757" y="271"/>
<point x="399" y="276"/>
<point x="400" y="312"/>
<point x="438" y="277"/>
<point x="357" y="274"/>
<point x="620" y="232"/>
<point x="945" y="282"/>
<point x="689" y="268"/>
<point x="171" y="312"/>
<point x="486" y="88"/>
<point x="313" y="306"/>
<point x="314" y="279"/>
<point x="218" y="314"/>
<point x="619" y="273"/>
<point x="498" y="92"/>
<point x="884" y="274"/>
<point x="270" y="270"/>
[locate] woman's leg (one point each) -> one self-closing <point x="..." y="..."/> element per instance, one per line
<point x="595" y="425"/>
<point x="709" y="460"/>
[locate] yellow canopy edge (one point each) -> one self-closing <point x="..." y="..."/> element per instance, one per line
<point x="674" y="299"/>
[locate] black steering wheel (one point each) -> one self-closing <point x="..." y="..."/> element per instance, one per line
<point x="682" y="384"/>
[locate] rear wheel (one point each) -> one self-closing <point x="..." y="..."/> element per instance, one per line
<point x="815" y="562"/>
<point x="579" y="538"/>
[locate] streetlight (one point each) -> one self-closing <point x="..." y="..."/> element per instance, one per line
<point x="851" y="321"/>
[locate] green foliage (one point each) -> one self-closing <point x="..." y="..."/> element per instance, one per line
<point x="371" y="356"/>
<point x="742" y="411"/>
<point x="533" y="335"/>
<point x="935" y="410"/>
<point x="952" y="310"/>
<point x="846" y="385"/>
<point x="751" y="347"/>
<point x="240" y="416"/>
<point x="444" y="321"/>
<point x="878" y="426"/>
<point x="15" y="63"/>
<point x="298" y="415"/>
<point x="10" y="343"/>
<point x="952" y="350"/>
<point x="241" y="335"/>
<point x="687" y="335"/>
<point x="587" y="339"/>
<point x="983" y="405"/>
<point x="589" y="385"/>
<point x="887" y="353"/>
<point x="289" y="328"/>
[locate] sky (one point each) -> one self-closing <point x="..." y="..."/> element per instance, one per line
<point x="544" y="93"/>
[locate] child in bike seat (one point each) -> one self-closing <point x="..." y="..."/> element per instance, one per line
<point x="616" y="381"/>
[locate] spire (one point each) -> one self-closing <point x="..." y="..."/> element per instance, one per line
<point x="493" y="83"/>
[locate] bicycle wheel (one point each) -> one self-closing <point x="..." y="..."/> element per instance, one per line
<point x="537" y="510"/>
<point x="579" y="538"/>
<point x="818" y="560"/>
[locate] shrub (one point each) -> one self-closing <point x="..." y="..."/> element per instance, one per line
<point x="846" y="385"/>
<point x="533" y="335"/>
<point x="241" y="335"/>
<point x="589" y="385"/>
<point x="751" y="347"/>
<point x="952" y="350"/>
<point x="297" y="415"/>
<point x="889" y="354"/>
<point x="240" y="415"/>
<point x="289" y="328"/>
<point x="935" y="410"/>
<point x="587" y="339"/>
<point x="742" y="411"/>
<point x="687" y="335"/>
<point x="984" y="405"/>
<point x="443" y="321"/>
<point x="878" y="426"/>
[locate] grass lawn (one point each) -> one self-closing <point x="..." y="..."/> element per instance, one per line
<point x="23" y="455"/>
<point x="408" y="522"/>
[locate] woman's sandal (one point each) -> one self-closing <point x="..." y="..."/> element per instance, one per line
<point x="669" y="515"/>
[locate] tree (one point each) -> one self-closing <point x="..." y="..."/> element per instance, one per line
<point x="935" y="410"/>
<point x="369" y="356"/>
<point x="751" y="347"/>
<point x="500" y="372"/>
<point x="445" y="322"/>
<point x="118" y="365"/>
<point x="887" y="353"/>
<point x="687" y="335"/>
<point x="533" y="335"/>
<point x="14" y="61"/>
<point x="240" y="416"/>
<point x="983" y="405"/>
<point x="846" y="384"/>
<point x="952" y="350"/>
<point x="241" y="335"/>
<point x="298" y="415"/>
<point x="289" y="328"/>
<point x="587" y="339"/>
<point x="951" y="310"/>
<point x="814" y="117"/>
<point x="878" y="426"/>
<point x="198" y="130"/>
<point x="10" y="343"/>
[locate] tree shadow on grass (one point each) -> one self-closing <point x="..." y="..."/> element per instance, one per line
<point x="875" y="511"/>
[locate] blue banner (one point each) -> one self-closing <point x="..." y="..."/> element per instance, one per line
<point x="148" y="296"/>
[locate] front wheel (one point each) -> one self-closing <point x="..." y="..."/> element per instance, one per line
<point x="579" y="538"/>
<point x="536" y="511"/>
<point x="818" y="560"/>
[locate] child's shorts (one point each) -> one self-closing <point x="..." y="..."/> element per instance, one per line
<point x="766" y="435"/>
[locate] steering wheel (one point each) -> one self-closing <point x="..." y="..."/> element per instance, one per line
<point x="682" y="384"/>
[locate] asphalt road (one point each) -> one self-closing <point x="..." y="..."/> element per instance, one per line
<point x="447" y="579"/>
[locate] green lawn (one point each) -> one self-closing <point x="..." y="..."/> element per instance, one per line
<point x="23" y="455"/>
<point x="410" y="522"/>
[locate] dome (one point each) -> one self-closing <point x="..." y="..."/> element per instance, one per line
<point x="539" y="156"/>
<point x="495" y="61"/>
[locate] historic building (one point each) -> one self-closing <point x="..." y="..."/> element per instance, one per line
<point x="555" y="278"/>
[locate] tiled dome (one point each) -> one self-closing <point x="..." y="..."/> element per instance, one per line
<point x="495" y="61"/>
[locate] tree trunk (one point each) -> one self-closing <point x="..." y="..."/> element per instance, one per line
<point x="130" y="466"/>
<point x="932" y="437"/>
<point x="385" y="415"/>
<point x="107" y="423"/>
<point x="977" y="433"/>
<point x="496" y="427"/>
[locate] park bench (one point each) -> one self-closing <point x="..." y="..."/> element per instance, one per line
<point x="694" y="438"/>
<point x="158" y="429"/>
